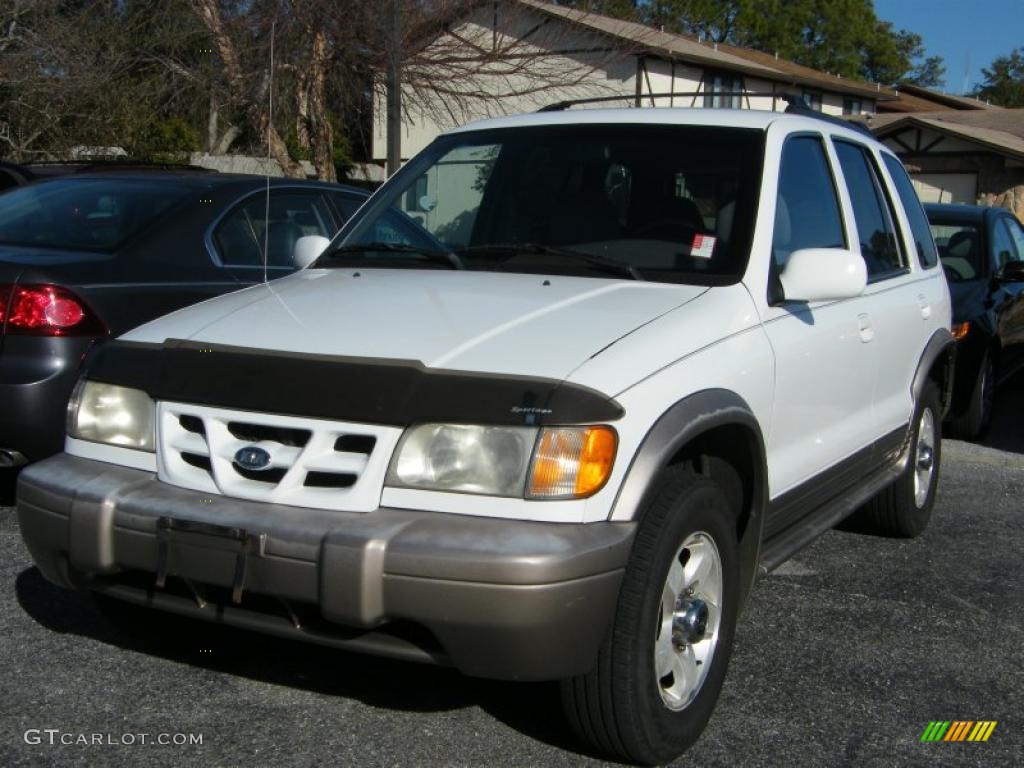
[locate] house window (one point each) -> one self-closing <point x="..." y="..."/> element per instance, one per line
<point x="852" y="106"/>
<point x="722" y="89"/>
<point x="812" y="99"/>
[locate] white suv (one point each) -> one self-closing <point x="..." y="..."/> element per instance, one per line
<point x="543" y="410"/>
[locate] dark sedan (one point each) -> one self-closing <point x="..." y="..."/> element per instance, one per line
<point x="89" y="256"/>
<point x="12" y="175"/>
<point x="982" y="252"/>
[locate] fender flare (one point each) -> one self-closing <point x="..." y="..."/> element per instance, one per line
<point x="686" y="420"/>
<point x="941" y="343"/>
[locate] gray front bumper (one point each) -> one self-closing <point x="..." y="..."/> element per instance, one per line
<point x="499" y="598"/>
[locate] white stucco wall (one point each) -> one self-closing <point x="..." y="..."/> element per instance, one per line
<point x="592" y="73"/>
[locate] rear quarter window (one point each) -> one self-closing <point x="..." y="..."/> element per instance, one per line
<point x="927" y="255"/>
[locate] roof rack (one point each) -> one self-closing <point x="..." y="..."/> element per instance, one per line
<point x="795" y="104"/>
<point x="558" y="106"/>
<point x="800" y="108"/>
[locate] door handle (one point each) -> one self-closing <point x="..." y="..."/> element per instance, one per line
<point x="867" y="332"/>
<point x="926" y="308"/>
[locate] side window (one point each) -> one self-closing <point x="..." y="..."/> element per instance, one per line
<point x="1003" y="247"/>
<point x="807" y="209"/>
<point x="926" y="253"/>
<point x="871" y="211"/>
<point x="239" y="237"/>
<point x="1017" y="233"/>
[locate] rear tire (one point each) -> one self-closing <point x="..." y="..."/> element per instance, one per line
<point x="904" y="508"/>
<point x="663" y="662"/>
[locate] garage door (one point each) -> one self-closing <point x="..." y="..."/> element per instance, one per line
<point x="946" y="187"/>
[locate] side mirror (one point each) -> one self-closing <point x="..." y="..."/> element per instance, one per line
<point x="307" y="249"/>
<point x="822" y="274"/>
<point x="1011" y="272"/>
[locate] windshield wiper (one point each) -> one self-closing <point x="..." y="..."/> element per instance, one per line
<point x="340" y="253"/>
<point x="511" y="250"/>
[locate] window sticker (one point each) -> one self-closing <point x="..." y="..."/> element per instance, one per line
<point x="703" y="246"/>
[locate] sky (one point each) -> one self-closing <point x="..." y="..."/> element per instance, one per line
<point x="967" y="34"/>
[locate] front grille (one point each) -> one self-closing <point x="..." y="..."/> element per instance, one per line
<point x="192" y="424"/>
<point x="355" y="444"/>
<point x="254" y="433"/>
<point x="272" y="475"/>
<point x="329" y="479"/>
<point x="312" y="462"/>
<point x="196" y="460"/>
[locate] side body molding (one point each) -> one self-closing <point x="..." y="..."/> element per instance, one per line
<point x="940" y="344"/>
<point x="685" y="421"/>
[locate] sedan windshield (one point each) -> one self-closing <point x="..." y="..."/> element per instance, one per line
<point x="627" y="201"/>
<point x="87" y="214"/>
<point x="959" y="247"/>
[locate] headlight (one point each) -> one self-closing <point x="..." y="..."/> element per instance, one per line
<point x="464" y="458"/>
<point x="549" y="463"/>
<point x="107" y="413"/>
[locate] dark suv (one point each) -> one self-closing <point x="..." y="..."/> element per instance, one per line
<point x="89" y="256"/>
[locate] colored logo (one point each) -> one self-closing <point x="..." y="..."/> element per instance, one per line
<point x="252" y="458"/>
<point x="958" y="730"/>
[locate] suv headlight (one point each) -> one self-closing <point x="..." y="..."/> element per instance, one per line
<point x="107" y="413"/>
<point x="546" y="463"/>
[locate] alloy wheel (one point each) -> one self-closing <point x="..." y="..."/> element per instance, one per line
<point x="688" y="621"/>
<point x="924" y="458"/>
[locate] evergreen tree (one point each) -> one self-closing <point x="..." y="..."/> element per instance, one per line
<point x="1004" y="80"/>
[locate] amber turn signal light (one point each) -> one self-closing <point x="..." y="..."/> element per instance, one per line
<point x="571" y="462"/>
<point x="960" y="330"/>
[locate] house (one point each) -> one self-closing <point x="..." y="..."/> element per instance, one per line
<point x="916" y="98"/>
<point x="962" y="156"/>
<point x="607" y="57"/>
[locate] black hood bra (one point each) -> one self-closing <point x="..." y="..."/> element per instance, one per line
<point x="356" y="389"/>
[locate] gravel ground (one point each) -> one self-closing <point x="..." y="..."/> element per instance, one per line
<point x="843" y="657"/>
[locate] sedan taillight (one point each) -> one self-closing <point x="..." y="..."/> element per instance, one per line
<point x="46" y="310"/>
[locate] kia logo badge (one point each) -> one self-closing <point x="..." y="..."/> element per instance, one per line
<point x="252" y="458"/>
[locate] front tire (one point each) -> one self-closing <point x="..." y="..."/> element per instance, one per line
<point x="971" y="425"/>
<point x="662" y="665"/>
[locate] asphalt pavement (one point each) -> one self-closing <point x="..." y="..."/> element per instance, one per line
<point x="843" y="657"/>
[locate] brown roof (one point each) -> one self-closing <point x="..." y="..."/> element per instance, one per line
<point x="938" y="99"/>
<point x="913" y="98"/>
<point x="906" y="102"/>
<point x="687" y="48"/>
<point x="1001" y="130"/>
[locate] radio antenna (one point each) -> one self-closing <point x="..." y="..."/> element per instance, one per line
<point x="270" y="128"/>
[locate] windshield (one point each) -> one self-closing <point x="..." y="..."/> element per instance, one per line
<point x="87" y="214"/>
<point x="667" y="203"/>
<point x="959" y="250"/>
